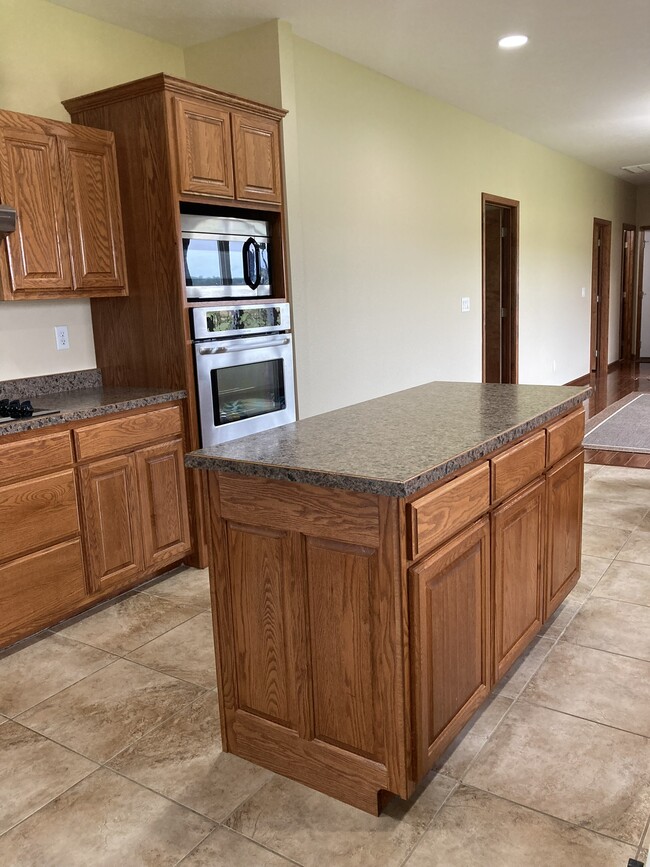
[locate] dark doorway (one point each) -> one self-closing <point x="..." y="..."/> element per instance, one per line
<point x="601" y="257"/>
<point x="500" y="288"/>
<point x="628" y="254"/>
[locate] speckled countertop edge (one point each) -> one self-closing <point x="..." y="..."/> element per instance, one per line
<point x="384" y="486"/>
<point x="125" y="399"/>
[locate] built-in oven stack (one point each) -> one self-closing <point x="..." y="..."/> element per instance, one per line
<point x="243" y="353"/>
<point x="244" y="369"/>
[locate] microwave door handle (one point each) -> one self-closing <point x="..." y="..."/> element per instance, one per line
<point x="219" y="350"/>
<point x="252" y="282"/>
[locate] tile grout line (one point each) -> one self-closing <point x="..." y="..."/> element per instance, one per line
<point x="431" y="820"/>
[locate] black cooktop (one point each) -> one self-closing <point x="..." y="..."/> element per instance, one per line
<point x="15" y="409"/>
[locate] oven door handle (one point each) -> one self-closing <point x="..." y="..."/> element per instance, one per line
<point x="219" y="350"/>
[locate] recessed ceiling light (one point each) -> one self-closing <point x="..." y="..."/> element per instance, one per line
<point x="514" y="41"/>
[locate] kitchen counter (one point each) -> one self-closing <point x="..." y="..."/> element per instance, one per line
<point x="397" y="444"/>
<point x="377" y="570"/>
<point x="86" y="403"/>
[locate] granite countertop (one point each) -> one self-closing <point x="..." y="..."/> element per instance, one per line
<point x="397" y="444"/>
<point x="84" y="403"/>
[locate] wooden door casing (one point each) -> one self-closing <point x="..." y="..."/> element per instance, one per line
<point x="204" y="149"/>
<point x="518" y="550"/>
<point x="30" y="180"/>
<point x="94" y="220"/>
<point x="256" y="144"/>
<point x="565" y="490"/>
<point x="113" y="524"/>
<point x="163" y="500"/>
<point x="450" y="640"/>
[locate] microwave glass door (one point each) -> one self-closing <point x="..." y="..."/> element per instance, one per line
<point x="247" y="390"/>
<point x="233" y="266"/>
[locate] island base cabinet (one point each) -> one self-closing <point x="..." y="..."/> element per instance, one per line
<point x="307" y="624"/>
<point x="518" y="573"/>
<point x="565" y="486"/>
<point x="450" y="638"/>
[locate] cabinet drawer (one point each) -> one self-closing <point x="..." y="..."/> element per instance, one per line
<point x="38" y="513"/>
<point x="33" y="457"/>
<point x="514" y="468"/>
<point x="126" y="433"/>
<point x="435" y="517"/>
<point x="40" y="589"/>
<point x="564" y="436"/>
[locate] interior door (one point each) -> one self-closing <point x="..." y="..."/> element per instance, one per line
<point x="601" y="257"/>
<point x="500" y="257"/>
<point x="643" y="314"/>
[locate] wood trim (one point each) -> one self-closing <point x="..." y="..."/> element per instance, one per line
<point x="513" y="205"/>
<point x="161" y="81"/>
<point x="626" y="301"/>
<point x="636" y="353"/>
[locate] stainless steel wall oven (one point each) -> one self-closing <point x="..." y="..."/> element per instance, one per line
<point x="244" y="369"/>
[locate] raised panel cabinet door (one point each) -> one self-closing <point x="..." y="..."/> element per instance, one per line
<point x="94" y="215"/>
<point x="112" y="521"/>
<point x="565" y="487"/>
<point x="38" y="256"/>
<point x="204" y="149"/>
<point x="163" y="497"/>
<point x="518" y="546"/>
<point x="257" y="158"/>
<point x="450" y="640"/>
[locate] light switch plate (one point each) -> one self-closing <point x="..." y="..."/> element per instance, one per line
<point x="464" y="305"/>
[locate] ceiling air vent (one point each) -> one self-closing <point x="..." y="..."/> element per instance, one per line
<point x="642" y="169"/>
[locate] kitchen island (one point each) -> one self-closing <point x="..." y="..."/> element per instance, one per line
<point x="376" y="571"/>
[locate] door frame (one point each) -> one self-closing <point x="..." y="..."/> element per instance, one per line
<point x="513" y="247"/>
<point x="626" y="329"/>
<point x="600" y="278"/>
<point x="639" y="290"/>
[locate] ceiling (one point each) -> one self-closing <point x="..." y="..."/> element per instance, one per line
<point x="580" y="86"/>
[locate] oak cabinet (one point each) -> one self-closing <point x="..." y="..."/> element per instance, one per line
<point x="113" y="524"/>
<point x="565" y="487"/>
<point x="518" y="573"/>
<point x="163" y="502"/>
<point x="94" y="509"/>
<point x="204" y="149"/>
<point x="227" y="154"/>
<point x="62" y="180"/>
<point x="450" y="635"/>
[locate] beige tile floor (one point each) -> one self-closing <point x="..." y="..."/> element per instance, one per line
<point x="110" y="751"/>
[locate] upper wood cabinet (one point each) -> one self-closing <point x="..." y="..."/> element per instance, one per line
<point x="226" y="153"/>
<point x="62" y="180"/>
<point x="204" y="149"/>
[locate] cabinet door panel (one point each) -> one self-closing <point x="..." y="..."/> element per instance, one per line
<point x="342" y="586"/>
<point x="518" y="572"/>
<point x="96" y="237"/>
<point x="259" y="564"/>
<point x="450" y="640"/>
<point x="39" y="258"/>
<point x="112" y="517"/>
<point x="564" y="521"/>
<point x="165" y="526"/>
<point x="204" y="149"/>
<point x="257" y="158"/>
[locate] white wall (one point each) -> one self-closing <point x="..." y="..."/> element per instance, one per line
<point x="644" y="350"/>
<point x="49" y="54"/>
<point x="390" y="213"/>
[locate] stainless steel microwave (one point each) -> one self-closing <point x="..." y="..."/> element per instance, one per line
<point x="225" y="257"/>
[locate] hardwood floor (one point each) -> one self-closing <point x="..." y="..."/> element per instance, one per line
<point x="607" y="390"/>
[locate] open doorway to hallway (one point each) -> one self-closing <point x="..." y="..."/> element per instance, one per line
<point x="500" y="244"/>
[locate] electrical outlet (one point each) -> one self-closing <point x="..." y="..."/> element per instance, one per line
<point x="554" y="366"/>
<point x="464" y="305"/>
<point x="61" y="333"/>
<point x="584" y="292"/>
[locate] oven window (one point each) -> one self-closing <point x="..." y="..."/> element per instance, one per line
<point x="247" y="390"/>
